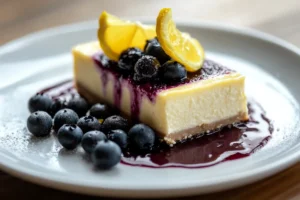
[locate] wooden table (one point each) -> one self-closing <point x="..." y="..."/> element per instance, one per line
<point x="278" y="17"/>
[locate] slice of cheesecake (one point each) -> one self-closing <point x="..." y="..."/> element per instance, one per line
<point x="209" y="99"/>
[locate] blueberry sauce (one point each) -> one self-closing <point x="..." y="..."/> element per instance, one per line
<point x="62" y="91"/>
<point x="118" y="93"/>
<point x="209" y="69"/>
<point x="229" y="143"/>
<point x="104" y="80"/>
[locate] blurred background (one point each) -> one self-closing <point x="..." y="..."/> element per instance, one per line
<point x="278" y="17"/>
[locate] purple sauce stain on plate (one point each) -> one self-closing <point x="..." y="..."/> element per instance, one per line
<point x="229" y="143"/>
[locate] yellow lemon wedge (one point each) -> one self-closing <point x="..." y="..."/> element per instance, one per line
<point x="116" y="35"/>
<point x="181" y="47"/>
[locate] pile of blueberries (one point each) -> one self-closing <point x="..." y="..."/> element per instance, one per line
<point x="150" y="65"/>
<point x="102" y="133"/>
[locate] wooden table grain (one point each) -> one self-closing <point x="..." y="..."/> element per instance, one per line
<point x="278" y="17"/>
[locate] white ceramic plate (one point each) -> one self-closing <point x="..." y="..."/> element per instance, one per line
<point x="272" y="67"/>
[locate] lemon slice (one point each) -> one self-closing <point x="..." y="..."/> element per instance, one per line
<point x="181" y="47"/>
<point x="116" y="35"/>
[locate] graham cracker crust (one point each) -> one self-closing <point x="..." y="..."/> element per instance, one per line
<point x="172" y="138"/>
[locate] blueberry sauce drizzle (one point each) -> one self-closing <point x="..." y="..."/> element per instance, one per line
<point x="209" y="69"/>
<point x="118" y="93"/>
<point x="62" y="91"/>
<point x="229" y="143"/>
<point x="104" y="80"/>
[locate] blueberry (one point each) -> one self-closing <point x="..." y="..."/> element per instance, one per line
<point x="79" y="105"/>
<point x="69" y="136"/>
<point x="138" y="79"/>
<point x="146" y="68"/>
<point x="65" y="116"/>
<point x="101" y="111"/>
<point x="88" y="123"/>
<point x="119" y="137"/>
<point x="106" y="154"/>
<point x="56" y="106"/>
<point x="39" y="123"/>
<point x="128" y="58"/>
<point x="115" y="122"/>
<point x="153" y="48"/>
<point x="172" y="72"/>
<point x="106" y="62"/>
<point x="141" y="137"/>
<point x="91" y="139"/>
<point x="39" y="102"/>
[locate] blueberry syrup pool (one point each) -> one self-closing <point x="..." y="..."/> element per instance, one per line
<point x="229" y="143"/>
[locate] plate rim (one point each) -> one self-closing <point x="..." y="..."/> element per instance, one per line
<point x="224" y="183"/>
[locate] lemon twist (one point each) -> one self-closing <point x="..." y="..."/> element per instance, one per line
<point x="181" y="47"/>
<point x="116" y="35"/>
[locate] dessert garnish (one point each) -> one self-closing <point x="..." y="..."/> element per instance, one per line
<point x="101" y="111"/>
<point x="116" y="35"/>
<point x="115" y="122"/>
<point x="39" y="123"/>
<point x="39" y="102"/>
<point x="119" y="137"/>
<point x="91" y="139"/>
<point x="89" y="123"/>
<point x="146" y="69"/>
<point x="140" y="90"/>
<point x="64" y="116"/>
<point x="106" y="154"/>
<point x="172" y="72"/>
<point x="153" y="48"/>
<point x="79" y="105"/>
<point x="141" y="137"/>
<point x="181" y="47"/>
<point x="69" y="136"/>
<point x="128" y="58"/>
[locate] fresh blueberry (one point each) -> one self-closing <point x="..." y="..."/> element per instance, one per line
<point x="106" y="154"/>
<point x="153" y="48"/>
<point x="39" y="102"/>
<point x="138" y="79"/>
<point x="91" y="139"/>
<point x="141" y="137"/>
<point x="79" y="105"/>
<point x="56" y="106"/>
<point x="69" y="136"/>
<point x="172" y="72"/>
<point x="39" y="123"/>
<point x="64" y="116"/>
<point x="146" y="68"/>
<point x="101" y="111"/>
<point x="88" y="123"/>
<point x="115" y="122"/>
<point x="119" y="137"/>
<point x="106" y="62"/>
<point x="128" y="58"/>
